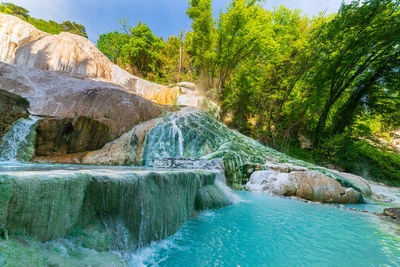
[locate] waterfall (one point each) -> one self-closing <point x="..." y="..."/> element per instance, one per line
<point x="177" y="130"/>
<point x="16" y="140"/>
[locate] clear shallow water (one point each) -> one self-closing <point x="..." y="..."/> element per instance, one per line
<point x="263" y="231"/>
<point x="268" y="231"/>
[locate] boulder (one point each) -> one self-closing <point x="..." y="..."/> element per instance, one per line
<point x="393" y="213"/>
<point x="12" y="108"/>
<point x="309" y="185"/>
<point x="62" y="94"/>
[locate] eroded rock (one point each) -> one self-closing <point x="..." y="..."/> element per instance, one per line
<point x="70" y="96"/>
<point x="310" y="185"/>
<point x="58" y="136"/>
<point x="23" y="44"/>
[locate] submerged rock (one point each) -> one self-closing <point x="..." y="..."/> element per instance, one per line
<point x="393" y="213"/>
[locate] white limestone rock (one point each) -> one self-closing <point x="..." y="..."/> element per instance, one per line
<point x="310" y="185"/>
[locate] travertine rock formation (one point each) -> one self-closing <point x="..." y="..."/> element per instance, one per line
<point x="23" y="44"/>
<point x="310" y="185"/>
<point x="62" y="94"/>
<point x="15" y="33"/>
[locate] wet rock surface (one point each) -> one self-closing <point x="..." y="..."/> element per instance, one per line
<point x="192" y="138"/>
<point x="135" y="207"/>
<point x="393" y="213"/>
<point x="57" y="136"/>
<point x="12" y="108"/>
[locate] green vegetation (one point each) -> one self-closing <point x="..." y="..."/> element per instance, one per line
<point x="136" y="49"/>
<point x="278" y="74"/>
<point x="46" y="26"/>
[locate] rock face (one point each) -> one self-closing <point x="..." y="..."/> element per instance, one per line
<point x="134" y="207"/>
<point x="15" y="33"/>
<point x="70" y="96"/>
<point x="65" y="52"/>
<point x="12" y="108"/>
<point x="310" y="185"/>
<point x="23" y="44"/>
<point x="57" y="137"/>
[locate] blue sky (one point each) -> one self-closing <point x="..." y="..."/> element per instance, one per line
<point x="164" y="17"/>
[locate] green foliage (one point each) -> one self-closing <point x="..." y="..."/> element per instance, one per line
<point x="110" y="44"/>
<point x="176" y="62"/>
<point x="137" y="49"/>
<point x="277" y="74"/>
<point x="46" y="26"/>
<point x="140" y="52"/>
<point x="203" y="34"/>
<point x="356" y="156"/>
<point x="12" y="9"/>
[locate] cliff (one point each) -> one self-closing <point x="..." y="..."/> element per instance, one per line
<point x="62" y="94"/>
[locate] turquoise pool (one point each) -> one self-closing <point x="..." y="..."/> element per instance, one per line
<point x="269" y="231"/>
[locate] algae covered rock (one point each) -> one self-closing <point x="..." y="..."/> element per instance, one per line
<point x="135" y="207"/>
<point x="194" y="134"/>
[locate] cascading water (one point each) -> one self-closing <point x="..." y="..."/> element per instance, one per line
<point x="177" y="130"/>
<point x="16" y="139"/>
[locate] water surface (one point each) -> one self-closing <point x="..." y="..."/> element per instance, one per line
<point x="269" y="231"/>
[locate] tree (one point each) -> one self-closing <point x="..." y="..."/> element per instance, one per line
<point x="361" y="38"/>
<point x="74" y="27"/>
<point x="110" y="44"/>
<point x="46" y="26"/>
<point x="12" y="9"/>
<point x="203" y="34"/>
<point x="176" y="65"/>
